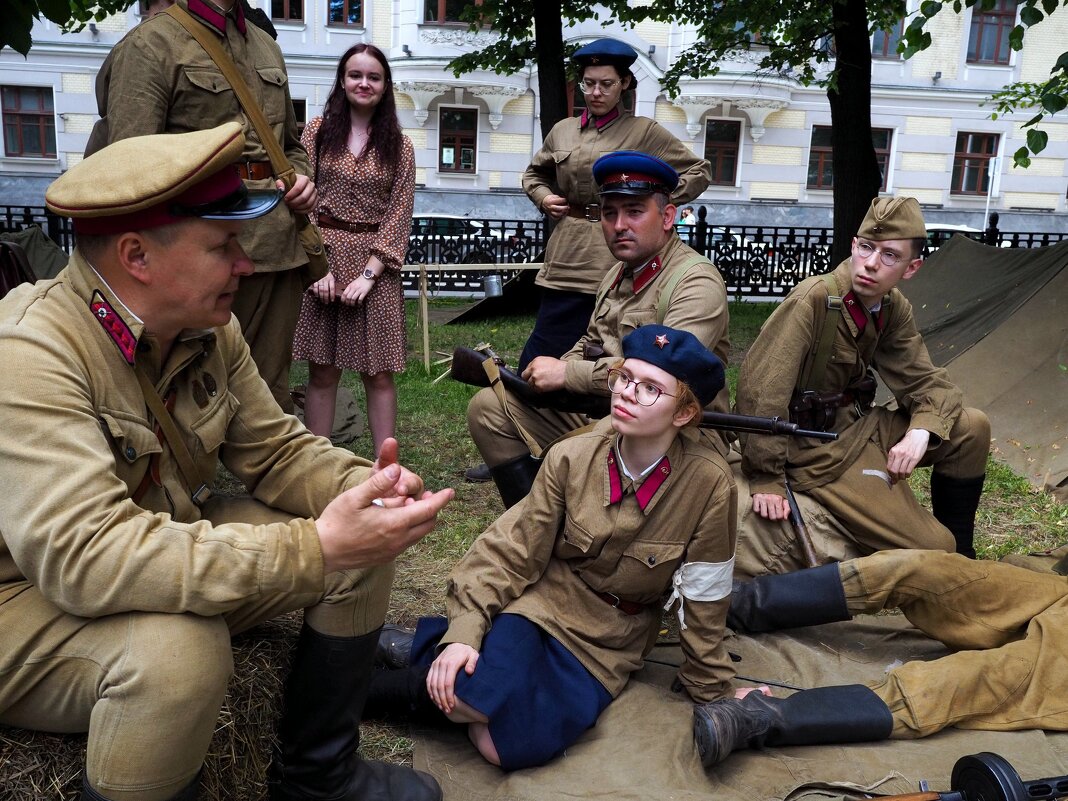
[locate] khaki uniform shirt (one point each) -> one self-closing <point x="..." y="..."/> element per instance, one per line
<point x="162" y="81"/>
<point x="698" y="304"/>
<point x="547" y="556"/>
<point x="576" y="257"/>
<point x="889" y="342"/>
<point x="77" y="441"/>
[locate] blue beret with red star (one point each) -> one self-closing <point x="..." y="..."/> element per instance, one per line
<point x="611" y="52"/>
<point x="679" y="353"/>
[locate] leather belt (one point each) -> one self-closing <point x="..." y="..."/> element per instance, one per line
<point x="626" y="607"/>
<point x="592" y="212"/>
<point x="329" y="221"/>
<point x="254" y="170"/>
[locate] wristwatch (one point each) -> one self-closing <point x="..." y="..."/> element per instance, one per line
<point x="369" y="274"/>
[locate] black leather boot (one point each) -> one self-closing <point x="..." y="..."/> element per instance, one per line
<point x="847" y="714"/>
<point x="320" y="729"/>
<point x="188" y="793"/>
<point x="954" y="502"/>
<point x="400" y="696"/>
<point x="515" y="478"/>
<point x="394" y="647"/>
<point x="803" y="598"/>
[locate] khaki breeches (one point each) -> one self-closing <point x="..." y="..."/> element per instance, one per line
<point x="495" y="433"/>
<point x="148" y="686"/>
<point x="268" y="306"/>
<point x="1008" y="625"/>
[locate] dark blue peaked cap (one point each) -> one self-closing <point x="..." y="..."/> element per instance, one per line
<point x="679" y="353"/>
<point x="629" y="172"/>
<point x="611" y="52"/>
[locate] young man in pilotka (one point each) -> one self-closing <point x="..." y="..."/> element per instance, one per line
<point x="121" y="579"/>
<point x="657" y="279"/>
<point x="811" y="363"/>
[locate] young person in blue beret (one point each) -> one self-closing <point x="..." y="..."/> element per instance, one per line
<point x="554" y="606"/>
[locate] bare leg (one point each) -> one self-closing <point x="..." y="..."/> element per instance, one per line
<point x="381" y="406"/>
<point x="478" y="730"/>
<point x="321" y="399"/>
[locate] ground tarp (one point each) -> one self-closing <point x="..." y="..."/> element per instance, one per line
<point x="997" y="320"/>
<point x="642" y="746"/>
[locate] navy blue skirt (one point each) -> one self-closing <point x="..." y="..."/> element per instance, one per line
<point x="538" y="698"/>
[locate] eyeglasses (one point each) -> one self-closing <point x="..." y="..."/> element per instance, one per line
<point x="644" y="392"/>
<point x="588" y="85"/>
<point x="888" y="258"/>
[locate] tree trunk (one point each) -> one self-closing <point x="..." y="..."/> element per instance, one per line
<point x="552" y="77"/>
<point x="856" y="171"/>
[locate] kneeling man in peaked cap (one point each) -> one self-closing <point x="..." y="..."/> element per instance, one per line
<point x="121" y="578"/>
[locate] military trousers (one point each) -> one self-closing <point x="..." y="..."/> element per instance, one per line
<point x="1008" y="626"/>
<point x="495" y="432"/>
<point x="878" y="516"/>
<point x="268" y="307"/>
<point x="147" y="686"/>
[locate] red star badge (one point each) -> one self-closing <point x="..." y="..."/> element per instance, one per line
<point x="624" y="177"/>
<point x="661" y="341"/>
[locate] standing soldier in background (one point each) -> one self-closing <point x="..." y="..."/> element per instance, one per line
<point x="559" y="181"/>
<point x="163" y="81"/>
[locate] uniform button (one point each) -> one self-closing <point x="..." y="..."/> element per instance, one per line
<point x="131" y="452"/>
<point x="652" y="560"/>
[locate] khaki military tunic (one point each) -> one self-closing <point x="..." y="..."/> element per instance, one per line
<point x="163" y="81"/>
<point x="548" y="556"/>
<point x="1008" y="625"/>
<point x="697" y="303"/>
<point x="844" y="475"/>
<point x="576" y="257"/>
<point x="117" y="612"/>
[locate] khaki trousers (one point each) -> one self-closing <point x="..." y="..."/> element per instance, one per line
<point x="496" y="435"/>
<point x="268" y="306"/>
<point x="878" y="517"/>
<point x="147" y="686"/>
<point x="1008" y="624"/>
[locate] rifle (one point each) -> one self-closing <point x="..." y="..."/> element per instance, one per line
<point x="467" y="369"/>
<point x="800" y="529"/>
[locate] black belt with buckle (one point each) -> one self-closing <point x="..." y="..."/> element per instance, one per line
<point x="626" y="607"/>
<point x="591" y="212"/>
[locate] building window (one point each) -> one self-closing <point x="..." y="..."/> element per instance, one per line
<point x="721" y="149"/>
<point x="287" y="10"/>
<point x="29" y="121"/>
<point x="884" y="43"/>
<point x="988" y="42"/>
<point x="972" y="163"/>
<point x="458" y="139"/>
<point x="345" y="12"/>
<point x="300" y="111"/>
<point x="444" y="10"/>
<point x="820" y="162"/>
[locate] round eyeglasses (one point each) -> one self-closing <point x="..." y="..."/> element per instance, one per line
<point x="644" y="392"/>
<point x="588" y="85"/>
<point x="888" y="258"/>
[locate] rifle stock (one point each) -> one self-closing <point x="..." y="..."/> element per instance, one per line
<point x="467" y="368"/>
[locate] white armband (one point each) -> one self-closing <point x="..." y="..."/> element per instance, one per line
<point x="700" y="581"/>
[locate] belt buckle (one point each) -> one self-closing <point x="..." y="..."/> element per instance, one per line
<point x="616" y="600"/>
<point x="593" y="214"/>
<point x="248" y="170"/>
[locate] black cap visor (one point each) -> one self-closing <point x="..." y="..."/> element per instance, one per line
<point x="241" y="204"/>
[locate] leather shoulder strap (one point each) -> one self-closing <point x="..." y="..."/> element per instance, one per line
<point x="283" y="170"/>
<point x="812" y="376"/>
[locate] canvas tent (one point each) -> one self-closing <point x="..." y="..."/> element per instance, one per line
<point x="997" y="320"/>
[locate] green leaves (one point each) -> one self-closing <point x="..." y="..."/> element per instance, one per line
<point x="1037" y="140"/>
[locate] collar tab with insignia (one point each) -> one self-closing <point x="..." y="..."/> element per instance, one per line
<point x="114" y="325"/>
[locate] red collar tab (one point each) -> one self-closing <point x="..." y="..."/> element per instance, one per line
<point x="615" y="481"/>
<point x="598" y="122"/>
<point x="644" y="275"/>
<point x="619" y="275"/>
<point x="216" y="19"/>
<point x="653" y="482"/>
<point x="859" y="312"/>
<point x="114" y="325"/>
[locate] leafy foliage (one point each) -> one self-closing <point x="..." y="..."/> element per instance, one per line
<point x="73" y="15"/>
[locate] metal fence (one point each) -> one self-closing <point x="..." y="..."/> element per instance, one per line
<point x="756" y="261"/>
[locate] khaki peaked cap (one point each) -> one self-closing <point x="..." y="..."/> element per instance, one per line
<point x="893" y="218"/>
<point x="134" y="174"/>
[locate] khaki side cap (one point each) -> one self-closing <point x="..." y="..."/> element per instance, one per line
<point x="133" y="174"/>
<point x="893" y="218"/>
